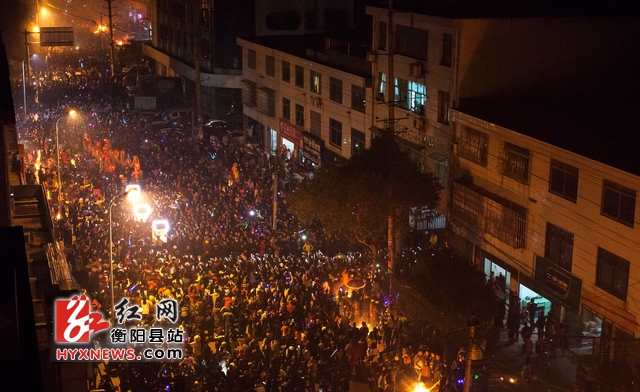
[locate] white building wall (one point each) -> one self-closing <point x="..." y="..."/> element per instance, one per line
<point x="350" y="118"/>
<point x="591" y="229"/>
<point x="430" y="137"/>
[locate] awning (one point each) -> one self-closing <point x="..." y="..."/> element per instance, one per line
<point x="436" y="156"/>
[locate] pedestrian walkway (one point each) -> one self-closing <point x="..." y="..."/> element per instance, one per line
<point x="556" y="372"/>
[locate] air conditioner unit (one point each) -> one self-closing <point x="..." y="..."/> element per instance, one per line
<point x="418" y="123"/>
<point x="381" y="97"/>
<point x="417" y="70"/>
<point x="316" y="101"/>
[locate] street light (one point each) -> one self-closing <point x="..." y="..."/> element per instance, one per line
<point x="133" y="193"/>
<point x="71" y="113"/>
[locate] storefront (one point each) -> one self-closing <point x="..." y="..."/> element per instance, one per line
<point x="290" y="137"/>
<point x="312" y="147"/>
<point x="271" y="140"/>
<point x="504" y="275"/>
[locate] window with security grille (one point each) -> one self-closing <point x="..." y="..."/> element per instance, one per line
<point x="474" y="146"/>
<point x="516" y="162"/>
<point x="612" y="274"/>
<point x="249" y="93"/>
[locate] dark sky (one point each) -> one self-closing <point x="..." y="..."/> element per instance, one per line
<point x="14" y="19"/>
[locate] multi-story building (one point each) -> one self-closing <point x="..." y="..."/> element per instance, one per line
<point x="186" y="30"/>
<point x="414" y="88"/>
<point x="309" y="95"/>
<point x="541" y="156"/>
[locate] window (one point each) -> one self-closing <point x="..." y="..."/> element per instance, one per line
<point x="300" y="115"/>
<point x="358" y="98"/>
<point x="315" y="124"/>
<point x="412" y="42"/>
<point x="612" y="274"/>
<point x="474" y="146"/>
<point x="559" y="246"/>
<point x="310" y="20"/>
<point x="270" y="66"/>
<point x="443" y="107"/>
<point x="447" y="50"/>
<point x="516" y="163"/>
<point x="249" y="93"/>
<point x="299" y="76"/>
<point x="382" y="87"/>
<point x="357" y="141"/>
<point x="267" y="101"/>
<point x="382" y="35"/>
<point x="335" y="137"/>
<point x="251" y="59"/>
<point x="314" y="81"/>
<point x="286" y="71"/>
<point x="410" y="95"/>
<point x="563" y="180"/>
<point x="618" y="203"/>
<point x="335" y="90"/>
<point x="286" y="108"/>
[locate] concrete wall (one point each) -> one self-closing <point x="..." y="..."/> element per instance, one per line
<point x="591" y="229"/>
<point x="350" y="118"/>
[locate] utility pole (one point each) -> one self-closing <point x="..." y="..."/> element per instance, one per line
<point x="469" y="361"/>
<point x="391" y="226"/>
<point x="198" y="71"/>
<point x="275" y="191"/>
<point x="111" y="47"/>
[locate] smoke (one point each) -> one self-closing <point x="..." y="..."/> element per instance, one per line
<point x="15" y="17"/>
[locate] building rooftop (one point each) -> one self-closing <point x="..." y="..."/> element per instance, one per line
<point x="474" y="9"/>
<point x="602" y="129"/>
<point x="331" y="49"/>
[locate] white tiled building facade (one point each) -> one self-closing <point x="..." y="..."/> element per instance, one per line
<point x="304" y="105"/>
<point x="558" y="223"/>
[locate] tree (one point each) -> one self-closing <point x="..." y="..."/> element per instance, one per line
<point x="370" y="198"/>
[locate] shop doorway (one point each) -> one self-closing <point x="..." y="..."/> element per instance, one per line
<point x="289" y="145"/>
<point x="273" y="140"/>
<point x="543" y="305"/>
<point x="498" y="277"/>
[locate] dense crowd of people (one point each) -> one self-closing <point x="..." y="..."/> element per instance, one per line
<point x="258" y="312"/>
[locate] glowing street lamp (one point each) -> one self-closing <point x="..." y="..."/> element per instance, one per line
<point x="72" y="114"/>
<point x="135" y="195"/>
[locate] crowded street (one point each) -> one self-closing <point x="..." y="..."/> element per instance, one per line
<point x="257" y="311"/>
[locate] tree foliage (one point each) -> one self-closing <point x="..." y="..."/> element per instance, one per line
<point x="355" y="200"/>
